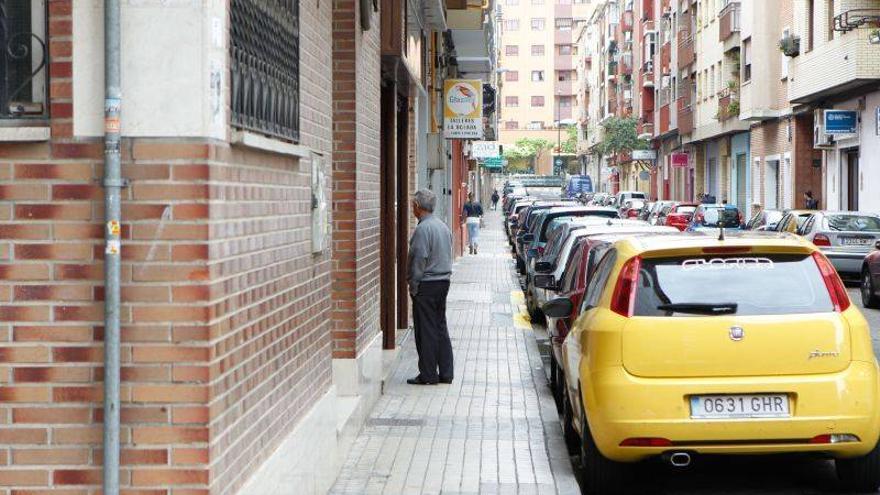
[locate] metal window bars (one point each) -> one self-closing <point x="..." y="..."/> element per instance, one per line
<point x="23" y="60"/>
<point x="856" y="18"/>
<point x="264" y="53"/>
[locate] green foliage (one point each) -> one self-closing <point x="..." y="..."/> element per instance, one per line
<point x="518" y="166"/>
<point x="569" y="146"/>
<point x="526" y="149"/>
<point x="621" y="136"/>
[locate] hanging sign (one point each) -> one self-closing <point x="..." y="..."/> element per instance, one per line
<point x="679" y="159"/>
<point x="841" y="122"/>
<point x="463" y="109"/>
<point x="644" y="155"/>
<point x="485" y="149"/>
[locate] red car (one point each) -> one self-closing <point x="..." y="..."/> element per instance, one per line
<point x="680" y="215"/>
<point x="870" y="285"/>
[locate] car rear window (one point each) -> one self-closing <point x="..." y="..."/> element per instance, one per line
<point x="686" y="209"/>
<point x="758" y="284"/>
<point x="720" y="217"/>
<point x="854" y="223"/>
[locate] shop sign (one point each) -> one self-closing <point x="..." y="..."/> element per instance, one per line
<point x="485" y="149"/>
<point x="463" y="109"/>
<point x="644" y="155"/>
<point x="841" y="122"/>
<point x="679" y="159"/>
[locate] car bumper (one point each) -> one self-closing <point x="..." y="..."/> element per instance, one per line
<point x="621" y="406"/>
<point x="846" y="262"/>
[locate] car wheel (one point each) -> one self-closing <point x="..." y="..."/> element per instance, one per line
<point x="862" y="474"/>
<point x="869" y="294"/>
<point x="557" y="384"/>
<point x="601" y="475"/>
<point x="520" y="265"/>
<point x="572" y="441"/>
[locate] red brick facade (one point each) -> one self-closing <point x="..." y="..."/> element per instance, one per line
<point x="228" y="318"/>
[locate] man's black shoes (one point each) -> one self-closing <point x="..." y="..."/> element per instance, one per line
<point x="446" y="381"/>
<point x="419" y="381"/>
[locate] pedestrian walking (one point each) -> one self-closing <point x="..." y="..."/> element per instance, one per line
<point x="809" y="202"/>
<point x="430" y="270"/>
<point x="495" y="198"/>
<point x="472" y="214"/>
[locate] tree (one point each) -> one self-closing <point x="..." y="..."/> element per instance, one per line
<point x="569" y="146"/>
<point x="526" y="148"/>
<point x="621" y="136"/>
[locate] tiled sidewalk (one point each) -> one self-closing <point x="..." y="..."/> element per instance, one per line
<point x="495" y="429"/>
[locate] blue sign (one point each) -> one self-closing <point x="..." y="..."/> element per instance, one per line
<point x="841" y="122"/>
<point x="559" y="162"/>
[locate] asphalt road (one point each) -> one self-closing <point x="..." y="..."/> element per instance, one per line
<point x="773" y="475"/>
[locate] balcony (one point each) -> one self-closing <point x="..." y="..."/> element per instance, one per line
<point x="647" y="74"/>
<point x="626" y="64"/>
<point x="685" y="117"/>
<point x="824" y="71"/>
<point x="728" y="105"/>
<point x="626" y="21"/>
<point x="686" y="53"/>
<point x="730" y="21"/>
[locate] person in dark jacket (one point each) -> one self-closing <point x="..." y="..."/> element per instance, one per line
<point x="810" y="203"/>
<point x="495" y="198"/>
<point x="472" y="215"/>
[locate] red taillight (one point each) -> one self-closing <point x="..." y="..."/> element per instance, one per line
<point x="540" y="250"/>
<point x="646" y="442"/>
<point x="727" y="250"/>
<point x="835" y="286"/>
<point x="821" y="240"/>
<point x="821" y="439"/>
<point x="698" y="218"/>
<point x="624" y="298"/>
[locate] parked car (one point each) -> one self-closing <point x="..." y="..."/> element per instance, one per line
<point x="678" y="215"/>
<point x="766" y="220"/>
<point x="525" y="224"/>
<point x="713" y="216"/>
<point x="793" y="220"/>
<point x="578" y="184"/>
<point x="660" y="208"/>
<point x="845" y="237"/>
<point x="645" y="212"/>
<point x="767" y="356"/>
<point x="632" y="208"/>
<point x="623" y="196"/>
<point x="870" y="283"/>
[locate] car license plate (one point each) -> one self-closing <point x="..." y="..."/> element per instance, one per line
<point x="856" y="241"/>
<point x="740" y="406"/>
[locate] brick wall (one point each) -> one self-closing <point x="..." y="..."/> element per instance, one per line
<point x="226" y="337"/>
<point x="356" y="134"/>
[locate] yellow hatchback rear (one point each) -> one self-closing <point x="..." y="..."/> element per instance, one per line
<point x="691" y="345"/>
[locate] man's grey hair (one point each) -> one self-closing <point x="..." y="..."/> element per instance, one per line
<point x="426" y="199"/>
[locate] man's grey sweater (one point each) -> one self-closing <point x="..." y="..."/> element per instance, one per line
<point x="430" y="253"/>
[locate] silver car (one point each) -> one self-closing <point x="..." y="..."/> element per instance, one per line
<point x="845" y="237"/>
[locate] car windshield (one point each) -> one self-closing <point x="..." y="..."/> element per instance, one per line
<point x="689" y="210"/>
<point x="744" y="285"/>
<point x="637" y="205"/>
<point x="854" y="223"/>
<point x="719" y="216"/>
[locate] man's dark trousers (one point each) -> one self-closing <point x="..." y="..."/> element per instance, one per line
<point x="431" y="332"/>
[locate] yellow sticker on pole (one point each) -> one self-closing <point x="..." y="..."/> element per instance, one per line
<point x="113" y="228"/>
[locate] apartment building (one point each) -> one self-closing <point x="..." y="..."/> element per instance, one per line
<point x="538" y="46"/>
<point x="264" y="147"/>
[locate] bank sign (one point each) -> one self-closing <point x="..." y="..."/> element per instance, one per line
<point x="463" y="109"/>
<point x="841" y="122"/>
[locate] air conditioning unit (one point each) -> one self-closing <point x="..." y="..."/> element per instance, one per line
<point x="820" y="138"/>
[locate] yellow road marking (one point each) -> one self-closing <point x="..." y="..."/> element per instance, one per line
<point x="521" y="318"/>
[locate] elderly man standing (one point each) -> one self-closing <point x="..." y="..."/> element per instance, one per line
<point x="430" y="269"/>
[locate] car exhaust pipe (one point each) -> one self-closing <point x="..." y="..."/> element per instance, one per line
<point x="679" y="459"/>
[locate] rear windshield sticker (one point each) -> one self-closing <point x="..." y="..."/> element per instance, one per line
<point x="728" y="264"/>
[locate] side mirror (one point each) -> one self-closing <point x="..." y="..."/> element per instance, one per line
<point x="877" y="245"/>
<point x="543" y="267"/>
<point x="558" y="308"/>
<point x="545" y="282"/>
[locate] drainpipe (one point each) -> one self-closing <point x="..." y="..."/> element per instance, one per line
<point x="113" y="184"/>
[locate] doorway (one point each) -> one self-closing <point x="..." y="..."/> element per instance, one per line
<point x="850" y="180"/>
<point x="771" y="185"/>
<point x="741" y="178"/>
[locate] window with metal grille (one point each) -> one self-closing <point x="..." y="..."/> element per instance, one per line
<point x="23" y="59"/>
<point x="264" y="53"/>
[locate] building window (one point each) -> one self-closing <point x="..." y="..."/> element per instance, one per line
<point x="564" y="101"/>
<point x="511" y="101"/>
<point x="537" y="101"/>
<point x="537" y="76"/>
<point x="563" y="2"/>
<point x="537" y="50"/>
<point x="511" y="50"/>
<point x="811" y="31"/>
<point x="511" y="125"/>
<point x="512" y="2"/>
<point x="563" y="23"/>
<point x="511" y="75"/>
<point x="264" y="54"/>
<point x="25" y="56"/>
<point x="537" y="2"/>
<point x="563" y="49"/>
<point x="747" y="60"/>
<point x="511" y="24"/>
<point x="566" y="75"/>
<point x="535" y="125"/>
<point x="538" y="24"/>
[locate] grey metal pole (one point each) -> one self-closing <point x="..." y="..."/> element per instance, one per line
<point x="112" y="186"/>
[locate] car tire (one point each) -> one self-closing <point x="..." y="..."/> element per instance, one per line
<point x="868" y="291"/>
<point x="862" y="474"/>
<point x="572" y="440"/>
<point x="557" y="385"/>
<point x="520" y="265"/>
<point x="601" y="476"/>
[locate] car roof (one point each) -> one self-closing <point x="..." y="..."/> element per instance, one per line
<point x="710" y="238"/>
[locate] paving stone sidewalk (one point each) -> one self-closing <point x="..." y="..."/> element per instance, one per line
<point x="495" y="429"/>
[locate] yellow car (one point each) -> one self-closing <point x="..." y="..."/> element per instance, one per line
<point x="689" y="344"/>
